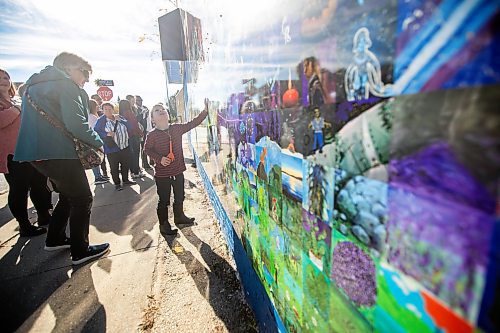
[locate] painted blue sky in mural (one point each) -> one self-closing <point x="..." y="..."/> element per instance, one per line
<point x="273" y="154"/>
<point x="291" y="176"/>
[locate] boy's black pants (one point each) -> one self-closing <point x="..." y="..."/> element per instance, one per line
<point x="163" y="185"/>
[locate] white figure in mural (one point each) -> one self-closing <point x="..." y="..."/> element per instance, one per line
<point x="364" y="75"/>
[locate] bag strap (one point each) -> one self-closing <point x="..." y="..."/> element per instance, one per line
<point x="51" y="120"/>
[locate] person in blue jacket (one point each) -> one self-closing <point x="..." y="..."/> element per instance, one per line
<point x="114" y="131"/>
<point x="58" y="91"/>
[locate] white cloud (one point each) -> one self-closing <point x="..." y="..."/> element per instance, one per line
<point x="106" y="33"/>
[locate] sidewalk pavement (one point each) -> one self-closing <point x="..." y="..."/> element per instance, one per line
<point x="40" y="291"/>
<point x="3" y="184"/>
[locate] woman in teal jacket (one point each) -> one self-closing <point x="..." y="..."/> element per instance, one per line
<point x="58" y="91"/>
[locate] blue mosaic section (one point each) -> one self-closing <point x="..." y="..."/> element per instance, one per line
<point x="255" y="293"/>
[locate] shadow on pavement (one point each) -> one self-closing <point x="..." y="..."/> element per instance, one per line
<point x="5" y="215"/>
<point x="36" y="282"/>
<point x="219" y="285"/>
<point x="126" y="212"/>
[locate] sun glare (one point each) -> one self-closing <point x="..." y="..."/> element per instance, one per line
<point x="89" y="15"/>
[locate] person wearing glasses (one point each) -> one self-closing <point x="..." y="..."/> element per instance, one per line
<point x="164" y="146"/>
<point x="57" y="90"/>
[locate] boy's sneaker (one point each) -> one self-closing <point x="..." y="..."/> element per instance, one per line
<point x="93" y="252"/>
<point x="118" y="187"/>
<point x="105" y="177"/>
<point x="65" y="244"/>
<point x="100" y="180"/>
<point x="129" y="182"/>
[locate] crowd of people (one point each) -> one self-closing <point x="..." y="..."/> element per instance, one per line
<point x="39" y="128"/>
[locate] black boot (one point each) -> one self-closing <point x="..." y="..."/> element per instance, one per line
<point x="26" y="229"/>
<point x="165" y="227"/>
<point x="180" y="218"/>
<point x="43" y="218"/>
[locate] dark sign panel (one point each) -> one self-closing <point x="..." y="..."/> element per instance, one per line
<point x="180" y="36"/>
<point x="106" y="83"/>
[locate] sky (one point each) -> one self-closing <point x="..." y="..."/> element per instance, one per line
<point x="118" y="38"/>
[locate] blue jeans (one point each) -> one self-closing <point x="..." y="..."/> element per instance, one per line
<point x="318" y="140"/>
<point x="97" y="172"/>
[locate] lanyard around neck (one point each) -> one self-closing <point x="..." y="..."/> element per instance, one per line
<point x="171" y="153"/>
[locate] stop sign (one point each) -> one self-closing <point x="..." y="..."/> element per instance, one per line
<point x="105" y="93"/>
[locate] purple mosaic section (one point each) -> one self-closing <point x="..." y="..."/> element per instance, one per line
<point x="435" y="172"/>
<point x="354" y="271"/>
<point x="439" y="227"/>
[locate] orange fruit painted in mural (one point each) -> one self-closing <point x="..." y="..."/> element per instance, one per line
<point x="290" y="97"/>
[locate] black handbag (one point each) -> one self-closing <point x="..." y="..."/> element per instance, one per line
<point x="89" y="156"/>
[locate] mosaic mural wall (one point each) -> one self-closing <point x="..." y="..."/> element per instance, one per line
<point x="357" y="148"/>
